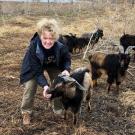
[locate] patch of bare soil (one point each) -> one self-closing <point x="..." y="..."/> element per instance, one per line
<point x="110" y="115"/>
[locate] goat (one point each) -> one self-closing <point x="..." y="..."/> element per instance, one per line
<point x="127" y="40"/>
<point x="73" y="42"/>
<point x="80" y="44"/>
<point x="114" y="65"/>
<point x="93" y="36"/>
<point x="68" y="40"/>
<point x="72" y="90"/>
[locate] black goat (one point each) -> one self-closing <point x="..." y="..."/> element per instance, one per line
<point x="72" y="90"/>
<point x="127" y="40"/>
<point x="114" y="65"/>
<point x="93" y="36"/>
<point x="69" y="40"/>
<point x="73" y="42"/>
<point x="81" y="42"/>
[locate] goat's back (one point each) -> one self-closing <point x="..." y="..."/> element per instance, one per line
<point x="127" y="40"/>
<point x="97" y="59"/>
<point x="79" y="74"/>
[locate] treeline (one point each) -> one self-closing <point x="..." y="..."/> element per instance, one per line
<point x="49" y="8"/>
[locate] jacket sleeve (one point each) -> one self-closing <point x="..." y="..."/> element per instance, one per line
<point x="37" y="68"/>
<point x="66" y="59"/>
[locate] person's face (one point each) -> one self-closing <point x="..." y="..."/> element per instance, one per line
<point x="47" y="39"/>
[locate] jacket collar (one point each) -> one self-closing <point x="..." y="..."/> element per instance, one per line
<point x="39" y="49"/>
<point x="39" y="53"/>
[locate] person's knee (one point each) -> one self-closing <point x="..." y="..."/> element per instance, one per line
<point x="30" y="87"/>
<point x="30" y="84"/>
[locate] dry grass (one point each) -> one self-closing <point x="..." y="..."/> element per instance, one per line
<point x="110" y="115"/>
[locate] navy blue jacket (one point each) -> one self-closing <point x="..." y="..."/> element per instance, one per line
<point x="32" y="65"/>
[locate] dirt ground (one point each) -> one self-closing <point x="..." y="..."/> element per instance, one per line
<point x="110" y="115"/>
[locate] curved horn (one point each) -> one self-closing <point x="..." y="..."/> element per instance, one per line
<point x="129" y="49"/>
<point x="66" y="78"/>
<point x="69" y="79"/>
<point x="80" y="86"/>
<point x="121" y="49"/>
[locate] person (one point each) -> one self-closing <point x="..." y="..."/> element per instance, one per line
<point x="45" y="57"/>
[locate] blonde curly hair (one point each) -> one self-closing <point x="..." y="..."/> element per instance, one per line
<point x="50" y="25"/>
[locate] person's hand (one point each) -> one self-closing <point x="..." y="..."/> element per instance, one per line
<point x="45" y="94"/>
<point x="65" y="72"/>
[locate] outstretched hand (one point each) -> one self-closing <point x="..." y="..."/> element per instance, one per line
<point x="45" y="94"/>
<point x="65" y="72"/>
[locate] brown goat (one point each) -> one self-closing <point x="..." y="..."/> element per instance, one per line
<point x="72" y="90"/>
<point x="114" y="65"/>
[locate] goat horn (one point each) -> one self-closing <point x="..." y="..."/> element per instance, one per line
<point x="67" y="78"/>
<point x="128" y="49"/>
<point x="70" y="79"/>
<point x="80" y="86"/>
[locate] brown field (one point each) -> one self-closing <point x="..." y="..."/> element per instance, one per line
<point x="111" y="115"/>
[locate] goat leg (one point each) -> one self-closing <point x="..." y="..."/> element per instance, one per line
<point x="95" y="83"/>
<point x="109" y="88"/>
<point x="74" y="119"/>
<point x="118" y="82"/>
<point x="117" y="88"/>
<point x="88" y="101"/>
<point x="89" y="106"/>
<point x="65" y="114"/>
